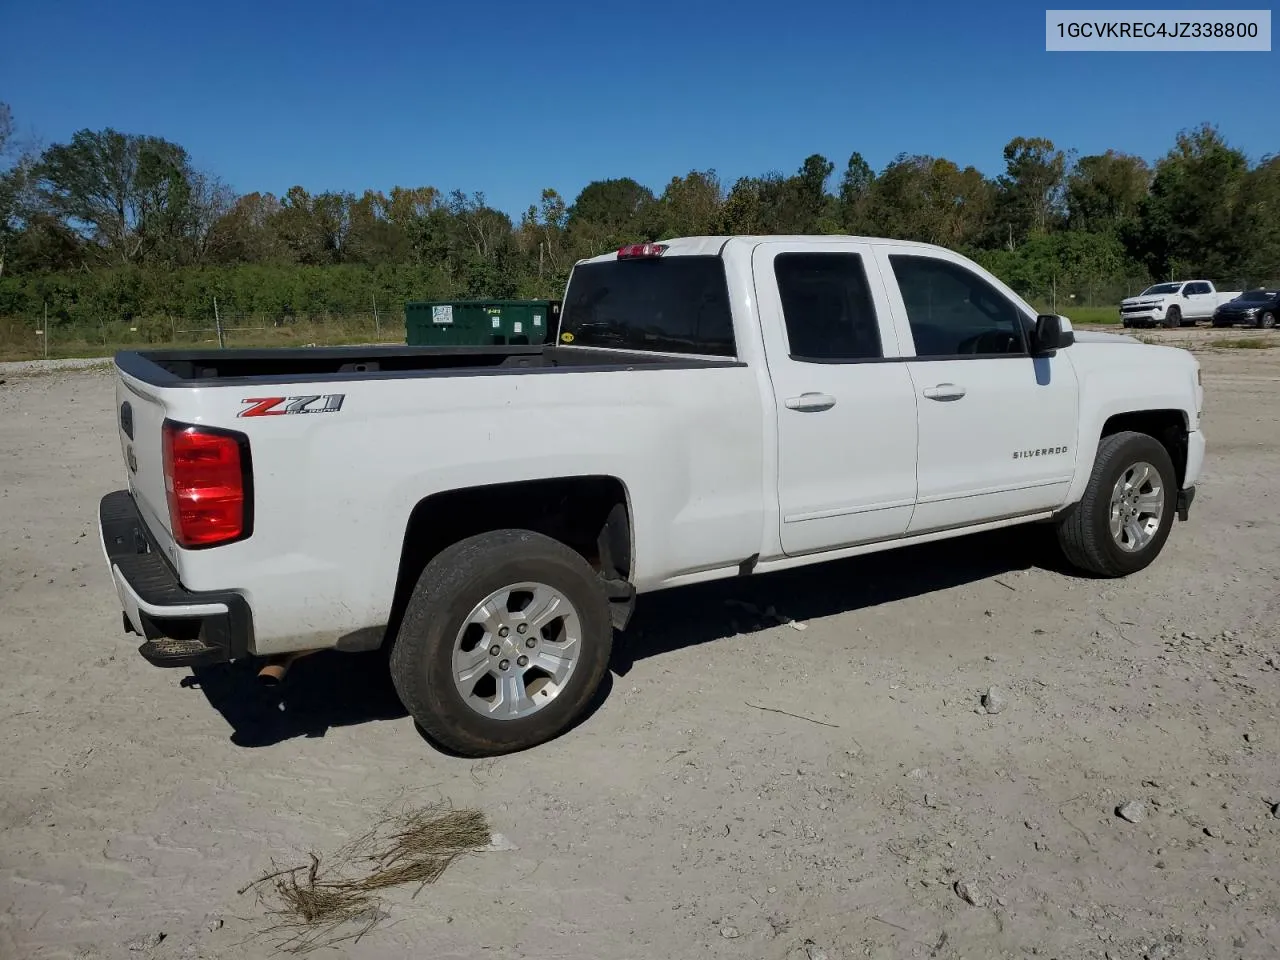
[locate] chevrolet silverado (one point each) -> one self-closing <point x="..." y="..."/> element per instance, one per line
<point x="710" y="407"/>
<point x="1176" y="304"/>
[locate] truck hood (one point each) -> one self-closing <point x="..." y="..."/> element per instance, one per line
<point x="1094" y="336"/>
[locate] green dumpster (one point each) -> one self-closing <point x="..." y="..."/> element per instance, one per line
<point x="442" y="323"/>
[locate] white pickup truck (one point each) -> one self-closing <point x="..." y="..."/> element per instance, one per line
<point x="712" y="407"/>
<point x="1176" y="304"/>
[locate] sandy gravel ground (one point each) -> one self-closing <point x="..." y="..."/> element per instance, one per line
<point x="680" y="820"/>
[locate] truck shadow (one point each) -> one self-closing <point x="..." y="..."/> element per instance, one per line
<point x="329" y="689"/>
<point x="321" y="691"/>
<point x="687" y="616"/>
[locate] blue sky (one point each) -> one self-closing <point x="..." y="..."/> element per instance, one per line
<point x="510" y="97"/>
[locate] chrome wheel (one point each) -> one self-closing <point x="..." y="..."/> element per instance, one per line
<point x="516" y="651"/>
<point x="1137" y="507"/>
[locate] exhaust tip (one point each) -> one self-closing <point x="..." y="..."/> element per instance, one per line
<point x="272" y="675"/>
<point x="273" y="671"/>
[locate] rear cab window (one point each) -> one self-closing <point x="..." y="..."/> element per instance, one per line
<point x="667" y="304"/>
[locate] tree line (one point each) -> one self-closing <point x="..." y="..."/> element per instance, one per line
<point x="125" y="226"/>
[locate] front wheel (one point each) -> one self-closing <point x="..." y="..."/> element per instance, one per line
<point x="503" y="644"/>
<point x="1173" y="318"/>
<point x="1121" y="523"/>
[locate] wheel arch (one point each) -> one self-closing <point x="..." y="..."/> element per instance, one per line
<point x="591" y="515"/>
<point x="1168" y="425"/>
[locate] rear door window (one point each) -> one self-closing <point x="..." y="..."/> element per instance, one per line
<point x="827" y="306"/>
<point x="665" y="304"/>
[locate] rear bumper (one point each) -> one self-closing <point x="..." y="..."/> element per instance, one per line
<point x="179" y="627"/>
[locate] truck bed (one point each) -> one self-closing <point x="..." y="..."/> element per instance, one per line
<point x="202" y="368"/>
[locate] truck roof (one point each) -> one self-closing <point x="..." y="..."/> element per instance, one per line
<point x="714" y="245"/>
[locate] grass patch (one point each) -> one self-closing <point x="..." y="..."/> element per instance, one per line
<point x="333" y="899"/>
<point x="1245" y="343"/>
<point x="1080" y="316"/>
<point x="1093" y="315"/>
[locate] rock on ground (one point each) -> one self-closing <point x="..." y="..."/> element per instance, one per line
<point x="994" y="700"/>
<point x="148" y="941"/>
<point x="1135" y="811"/>
<point x="972" y="893"/>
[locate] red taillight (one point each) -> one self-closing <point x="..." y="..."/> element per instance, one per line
<point x="204" y="477"/>
<point x="635" y="251"/>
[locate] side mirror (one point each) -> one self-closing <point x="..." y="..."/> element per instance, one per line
<point x="1050" y="335"/>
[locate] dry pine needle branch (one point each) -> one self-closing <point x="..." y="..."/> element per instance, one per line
<point x="332" y="899"/>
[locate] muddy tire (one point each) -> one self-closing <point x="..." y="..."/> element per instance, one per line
<point x="504" y="642"/>
<point x="1121" y="523"/>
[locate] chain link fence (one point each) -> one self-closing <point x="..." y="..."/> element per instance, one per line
<point x="230" y="327"/>
<point x="45" y="338"/>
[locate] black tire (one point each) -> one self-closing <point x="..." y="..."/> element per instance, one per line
<point x="1173" y="318"/>
<point x="1267" y="321"/>
<point x="1083" y="531"/>
<point x="450" y="586"/>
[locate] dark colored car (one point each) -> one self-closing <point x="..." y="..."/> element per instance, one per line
<point x="1253" y="308"/>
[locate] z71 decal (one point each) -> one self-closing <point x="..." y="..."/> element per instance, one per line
<point x="279" y="406"/>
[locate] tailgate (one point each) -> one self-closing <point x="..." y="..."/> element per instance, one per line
<point x="140" y="415"/>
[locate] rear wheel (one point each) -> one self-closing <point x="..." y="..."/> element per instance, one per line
<point x="1267" y="321"/>
<point x="505" y="640"/>
<point x="1121" y="523"/>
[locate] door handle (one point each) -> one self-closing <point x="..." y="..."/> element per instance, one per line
<point x="944" y="391"/>
<point x="811" y="402"/>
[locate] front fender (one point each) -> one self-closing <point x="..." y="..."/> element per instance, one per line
<point x="1122" y="379"/>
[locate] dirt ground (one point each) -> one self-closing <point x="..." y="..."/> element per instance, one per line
<point x="684" y="818"/>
